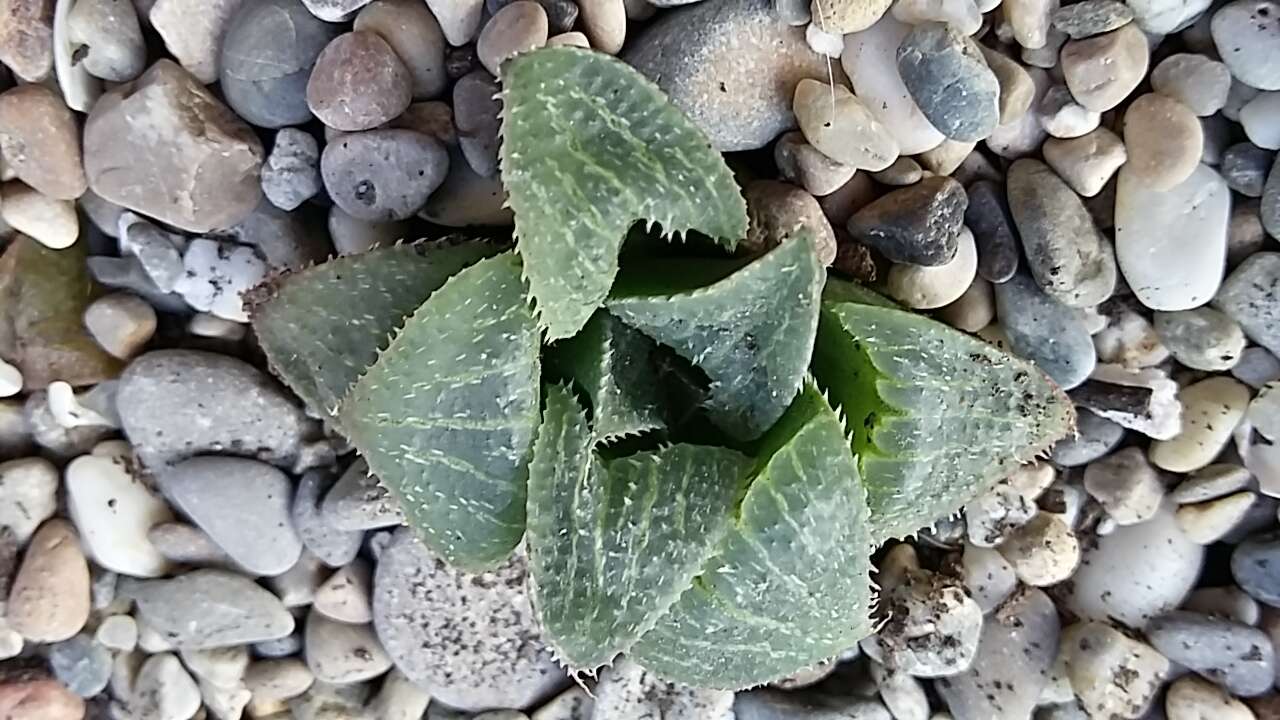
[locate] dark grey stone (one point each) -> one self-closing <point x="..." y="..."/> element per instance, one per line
<point x="476" y="111"/>
<point x="1045" y="331"/>
<point x="1255" y="565"/>
<point x="209" y="609"/>
<point x="1238" y="657"/>
<point x="1245" y="167"/>
<point x="561" y="14"/>
<point x="949" y="79"/>
<point x="731" y="65"/>
<point x="919" y="224"/>
<point x="988" y="219"/>
<point x="1095" y="436"/>
<point x="1091" y="17"/>
<point x="291" y="175"/>
<point x="266" y="59"/>
<point x="383" y="175"/>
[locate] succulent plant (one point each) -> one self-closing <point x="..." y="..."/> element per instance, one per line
<point x="724" y="549"/>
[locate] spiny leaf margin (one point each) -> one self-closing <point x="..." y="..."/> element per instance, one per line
<point x="589" y="147"/>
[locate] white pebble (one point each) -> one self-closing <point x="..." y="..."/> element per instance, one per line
<point x="1009" y="504"/>
<point x="926" y="288"/>
<point x="120" y="323"/>
<point x="52" y="223"/>
<point x="1128" y="487"/>
<point x="1113" y="675"/>
<point x="1194" y="698"/>
<point x="28" y="495"/>
<point x="10" y="379"/>
<point x="1043" y="552"/>
<point x="118" y="632"/>
<point x="69" y="413"/>
<point x="1210" y="411"/>
<point x="113" y="510"/>
<point x="823" y="43"/>
<point x="1207" y="522"/>
<point x="212" y="326"/>
<point x="1261" y="120"/>
<point x="988" y="577"/>
<point x="217" y="274"/>
<point x="870" y="60"/>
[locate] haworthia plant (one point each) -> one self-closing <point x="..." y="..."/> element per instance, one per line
<point x="613" y="543"/>
<point x="935" y="416"/>
<point x="316" y="343"/>
<point x="710" y="566"/>
<point x="751" y="332"/>
<point x="789" y="584"/>
<point x="589" y="147"/>
<point x="446" y="416"/>
<point x="614" y="365"/>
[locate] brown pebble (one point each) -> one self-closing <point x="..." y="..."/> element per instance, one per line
<point x="358" y="83"/>
<point x="1164" y="141"/>
<point x="778" y="211"/>
<point x="605" y="23"/>
<point x="1102" y="70"/>
<point x="38" y="699"/>
<point x="49" y="600"/>
<point x="516" y="28"/>
<point x="26" y="37"/>
<point x="41" y="141"/>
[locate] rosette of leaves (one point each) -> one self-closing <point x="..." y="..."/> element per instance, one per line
<point x="723" y="551"/>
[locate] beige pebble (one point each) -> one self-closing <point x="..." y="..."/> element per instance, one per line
<point x="516" y="28"/>
<point x="803" y="164"/>
<point x="192" y="31"/>
<point x="1211" y="409"/>
<point x="777" y="211"/>
<point x="605" y="23"/>
<point x="1043" y="552"/>
<point x="1201" y="83"/>
<point x="841" y="127"/>
<point x="40" y="141"/>
<point x="946" y="157"/>
<point x="1029" y="21"/>
<point x="1102" y="70"/>
<point x="847" y="16"/>
<point x="1086" y="162"/>
<point x="26" y="38"/>
<point x="120" y="323"/>
<point x="973" y="310"/>
<point x="1016" y="88"/>
<point x="52" y="223"/>
<point x="34" y="698"/>
<point x="10" y="379"/>
<point x="1194" y="698"/>
<point x="49" y="600"/>
<point x="926" y="288"/>
<point x="570" y="39"/>
<point x="1164" y="141"/>
<point x="1206" y="522"/>
<point x="278" y="679"/>
<point x="345" y="595"/>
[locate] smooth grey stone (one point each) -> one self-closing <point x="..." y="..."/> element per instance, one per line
<point x="1245" y="167"/>
<point x="1251" y="296"/>
<point x="267" y="54"/>
<point x="1269" y="210"/>
<point x="1255" y="565"/>
<point x="1095" y="437"/>
<point x="209" y="609"/>
<point x="950" y="81"/>
<point x="470" y="640"/>
<point x="561" y="14"/>
<point x="359" y="502"/>
<point x="1045" y="331"/>
<point x="467" y="199"/>
<point x="291" y="175"/>
<point x="1201" y="338"/>
<point x="987" y="217"/>
<point x="242" y="504"/>
<point x="1237" y="656"/>
<point x="127" y="273"/>
<point x="1246" y="33"/>
<point x="731" y="65"/>
<point x="383" y="175"/>
<point x="290" y="644"/>
<point x="80" y="664"/>
<point x="156" y="250"/>
<point x="1066" y="254"/>
<point x="1091" y="17"/>
<point x="1257" y="367"/>
<point x="919" y="224"/>
<point x="334" y="547"/>
<point x="177" y="403"/>
<point x="1018" y="647"/>
<point x="627" y="691"/>
<point x="772" y="704"/>
<point x="476" y="109"/>
<point x="286" y="240"/>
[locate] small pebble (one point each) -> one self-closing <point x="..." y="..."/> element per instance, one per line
<point x="358" y="83"/>
<point x="106" y="39"/>
<point x="1196" y="81"/>
<point x="1190" y="698"/>
<point x="987" y="215"/>
<point x="846" y="131"/>
<point x="52" y="223"/>
<point x="1043" y="552"/>
<point x="120" y="323"/>
<point x="517" y="28"/>
<point x="1210" y="482"/>
<point x="164" y="690"/>
<point x="1086" y="162"/>
<point x="933" y="629"/>
<point x="344" y="597"/>
<point x="193" y="30"/>
<point x="1126" y="485"/>
<point x="604" y="22"/>
<point x="1245" y="166"/>
<point x="459" y="19"/>
<point x="1209" y="521"/>
<point x="777" y="211"/>
<point x="477" y="114"/>
<point x="1164" y="141"/>
<point x="217" y="274"/>
<point x="277" y="680"/>
<point x="1255" y="566"/>
<point x="1017" y="90"/>
<point x="28" y="495"/>
<point x="291" y="175"/>
<point x="919" y="224"/>
<point x="341" y="653"/>
<point x="113" y="509"/>
<point x="1114" y="676"/>
<point x="1162" y="17"/>
<point x="26" y="38"/>
<point x="359" y="502"/>
<point x="1031" y="318"/>
<point x="118" y="632"/>
<point x="1234" y="655"/>
<point x="848" y="16"/>
<point x="950" y="81"/>
<point x="973" y="310"/>
<point x="801" y="163"/>
<point x="627" y="690"/>
<point x="1062" y="117"/>
<point x="49" y="597"/>
<point x="383" y="175"/>
<point x="1258" y="117"/>
<point x="1211" y="408"/>
<point x="1247" y="36"/>
<point x="1201" y="338"/>
<point x="10" y="380"/>
<point x="964" y="15"/>
<point x="904" y="171"/>
<point x="870" y="60"/>
<point x="412" y="31"/>
<point x="925" y="288"/>
<point x="992" y="516"/>
<point x="40" y="142"/>
<point x="81" y="665"/>
<point x="1128" y="338"/>
<point x="1029" y="21"/>
<point x="205" y="609"/>
<point x="333" y="546"/>
<point x="1251" y="297"/>
<point x="1095" y="437"/>
<point x="1226" y="601"/>
<point x="1091" y="17"/>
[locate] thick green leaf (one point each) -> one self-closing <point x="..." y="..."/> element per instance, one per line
<point x="837" y="290"/>
<point x="612" y="544"/>
<point x="589" y="147"/>
<point x="322" y="327"/>
<point x="936" y="416"/>
<point x="447" y="414"/>
<point x="790" y="585"/>
<point x="613" y="365"/>
<point x="752" y="333"/>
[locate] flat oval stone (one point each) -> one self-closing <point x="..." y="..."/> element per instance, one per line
<point x="1201" y="338"/>
<point x="358" y="83"/>
<point x="928" y="288"/>
<point x="26" y="38"/>
<point x="1045" y="331"/>
<point x="470" y="640"/>
<point x="841" y="127"/>
<point x="1199" y="82"/>
<point x="113" y="510"/>
<point x="383" y="175"/>
<point x="1065" y="252"/>
<point x="517" y="28"/>
<point x="950" y="81"/>
<point x="1171" y="245"/>
<point x="1164" y="141"/>
<point x="49" y="597"/>
<point x="242" y="504"/>
<point x="1211" y="409"/>
<point x="209" y="609"/>
<point x="1255" y="566"/>
<point x="730" y="65"/>
<point x="1235" y="655"/>
<point x="1091" y="17"/>
<point x="1102" y="70"/>
<point x="1251" y="297"/>
<point x="919" y="224"/>
<point x="267" y="55"/>
<point x="870" y="59"/>
<point x="1246" y="34"/>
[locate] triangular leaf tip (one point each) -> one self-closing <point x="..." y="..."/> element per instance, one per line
<point x="589" y="147"/>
